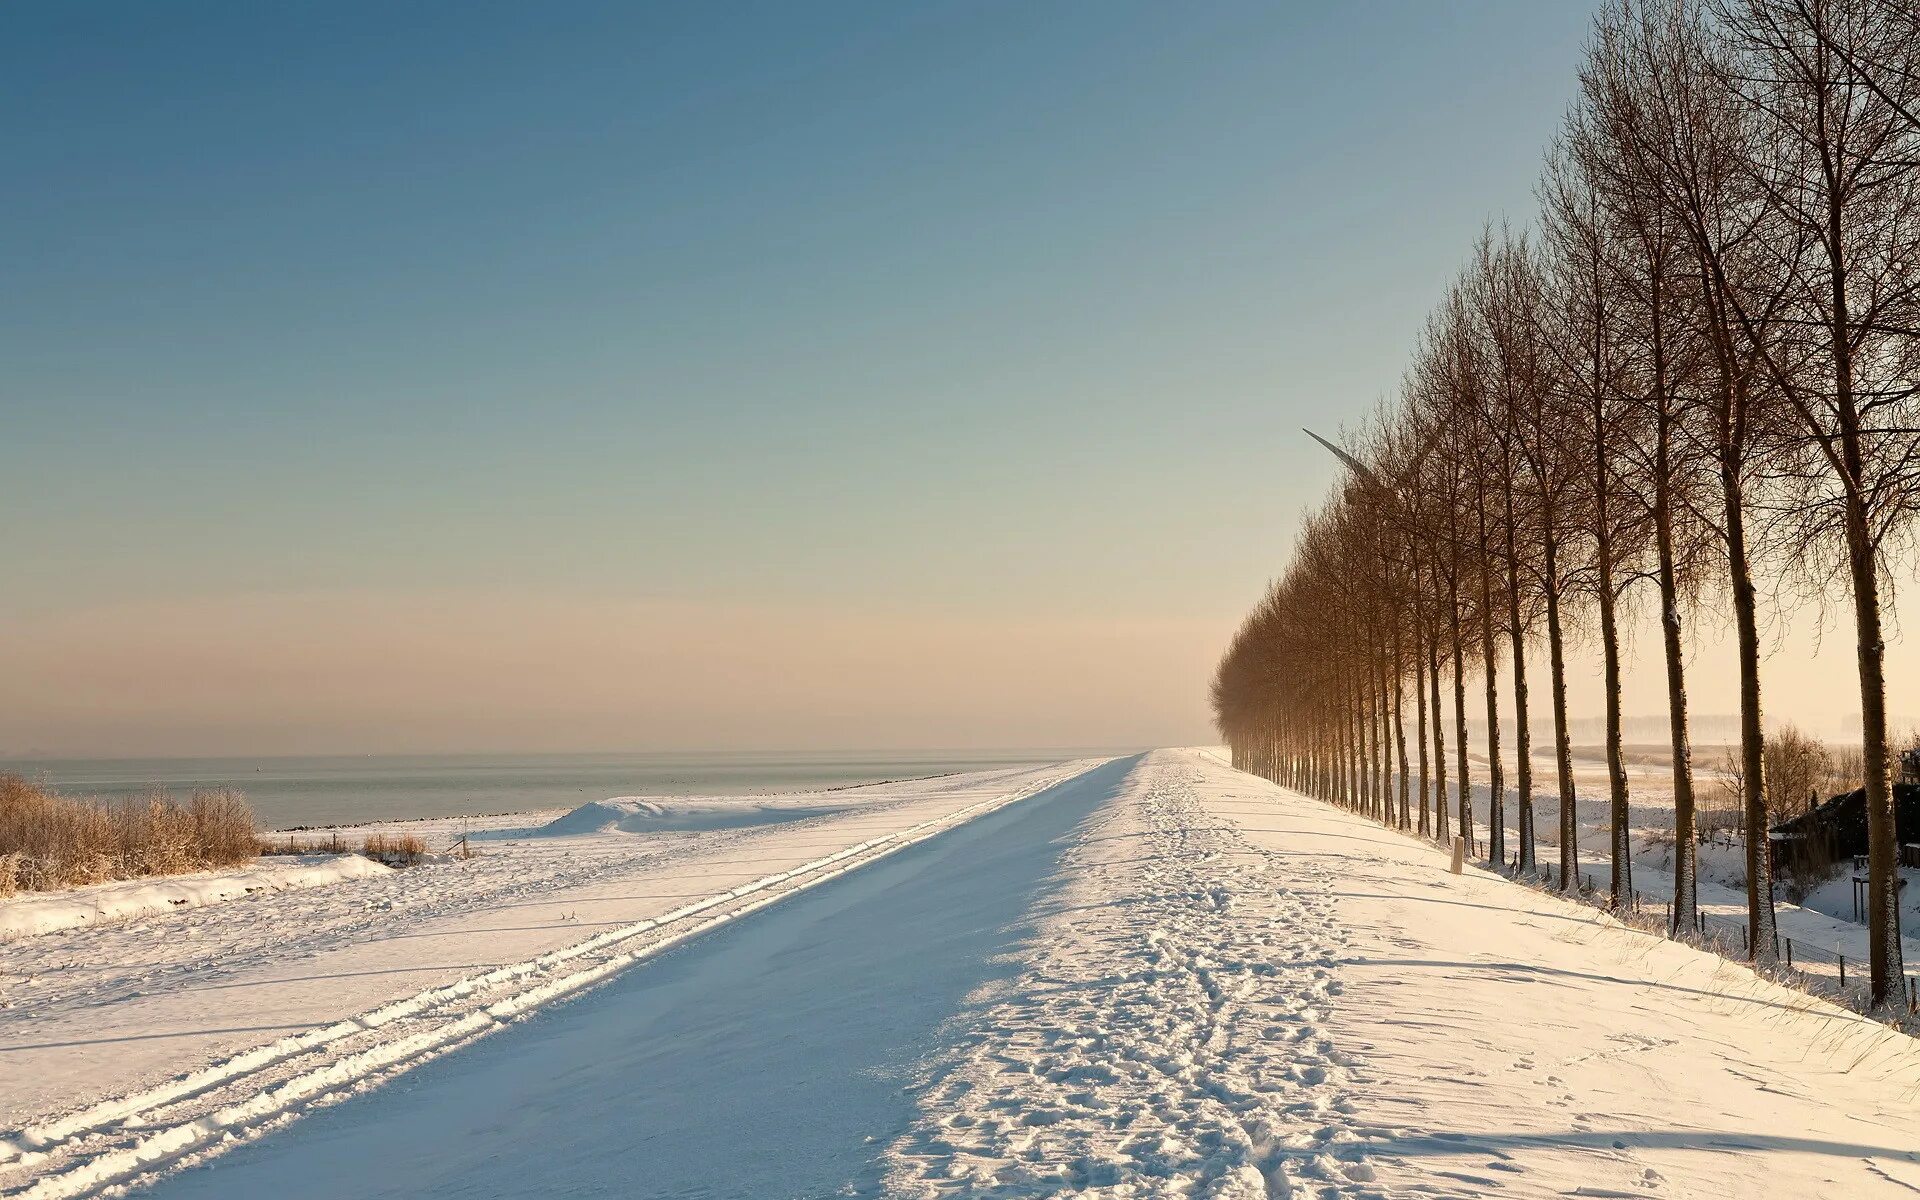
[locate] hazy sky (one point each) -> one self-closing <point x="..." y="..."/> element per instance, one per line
<point x="505" y="376"/>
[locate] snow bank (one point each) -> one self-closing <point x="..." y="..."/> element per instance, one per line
<point x="640" y="814"/>
<point x="37" y="913"/>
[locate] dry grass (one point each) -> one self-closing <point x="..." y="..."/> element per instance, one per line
<point x="291" y="843"/>
<point x="393" y="849"/>
<point x="402" y="850"/>
<point x="49" y="841"/>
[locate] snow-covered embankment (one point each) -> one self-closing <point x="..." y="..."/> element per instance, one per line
<point x="642" y="893"/>
<point x="1245" y="993"/>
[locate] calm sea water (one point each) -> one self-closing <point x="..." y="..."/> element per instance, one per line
<point x="338" y="790"/>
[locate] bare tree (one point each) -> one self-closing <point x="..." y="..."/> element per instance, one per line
<point x="1716" y="338"/>
<point x="1546" y="429"/>
<point x="1582" y="248"/>
<point x="1653" y="294"/>
<point x="1829" y="82"/>
<point x="1687" y="137"/>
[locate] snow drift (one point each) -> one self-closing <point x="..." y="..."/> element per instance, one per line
<point x="46" y="912"/>
<point x="637" y="814"/>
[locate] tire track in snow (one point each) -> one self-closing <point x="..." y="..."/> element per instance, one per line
<point x="1167" y="1038"/>
<point x="118" y="1143"/>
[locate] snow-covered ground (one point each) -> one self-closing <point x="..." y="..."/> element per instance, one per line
<point x="1820" y="927"/>
<point x="240" y="997"/>
<point x="762" y="1061"/>
<point x="1158" y="977"/>
<point x="1245" y="993"/>
<point x="39" y="913"/>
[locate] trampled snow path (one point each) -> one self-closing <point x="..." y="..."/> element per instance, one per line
<point x="1169" y="1035"/>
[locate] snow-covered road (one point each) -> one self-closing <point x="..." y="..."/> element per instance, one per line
<point x="143" y="1047"/>
<point x="1161" y="977"/>
<point x="762" y="1061"/>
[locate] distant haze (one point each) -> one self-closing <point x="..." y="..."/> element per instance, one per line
<point x="341" y="672"/>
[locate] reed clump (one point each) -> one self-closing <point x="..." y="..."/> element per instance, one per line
<point x="403" y="850"/>
<point x="49" y="841"/>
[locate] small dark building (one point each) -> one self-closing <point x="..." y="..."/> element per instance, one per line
<point x="1840" y="823"/>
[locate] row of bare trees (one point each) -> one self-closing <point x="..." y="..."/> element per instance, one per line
<point x="1697" y="377"/>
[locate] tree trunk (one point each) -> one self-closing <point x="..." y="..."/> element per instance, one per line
<point x="1620" y="839"/>
<point x="1362" y="774"/>
<point x="1420" y="724"/>
<point x="1684" y="912"/>
<point x="1400" y="722"/>
<point x="1885" y="965"/>
<point x="1753" y="759"/>
<point x="1343" y="758"/>
<point x="1439" y="743"/>
<point x="1562" y="744"/>
<point x="1383" y="717"/>
<point x="1496" y="785"/>
<point x="1464" y="785"/>
<point x="1522" y="736"/>
<point x="1377" y="730"/>
<point x="1377" y="738"/>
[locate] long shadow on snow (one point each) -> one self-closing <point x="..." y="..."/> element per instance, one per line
<point x="767" y="1059"/>
<point x="1536" y="973"/>
<point x="1481" y="1144"/>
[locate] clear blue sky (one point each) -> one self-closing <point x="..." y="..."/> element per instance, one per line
<point x="969" y="324"/>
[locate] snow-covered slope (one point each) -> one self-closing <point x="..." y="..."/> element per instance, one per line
<point x="1819" y="928"/>
<point x="1244" y="993"/>
<point x="49" y="912"/>
<point x="764" y="1060"/>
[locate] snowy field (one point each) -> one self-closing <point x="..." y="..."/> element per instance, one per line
<point x="1820" y="926"/>
<point x="1153" y="976"/>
